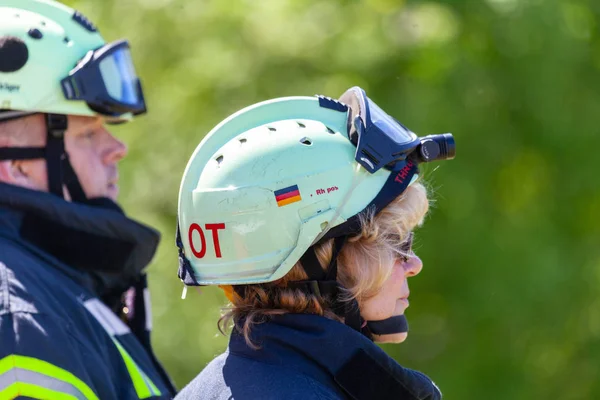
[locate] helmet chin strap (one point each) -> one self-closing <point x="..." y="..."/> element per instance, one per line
<point x="388" y="326"/>
<point x="60" y="170"/>
<point x="325" y="285"/>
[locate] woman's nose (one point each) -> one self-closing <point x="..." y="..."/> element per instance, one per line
<point x="413" y="265"/>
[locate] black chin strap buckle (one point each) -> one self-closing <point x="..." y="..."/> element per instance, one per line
<point x="57" y="125"/>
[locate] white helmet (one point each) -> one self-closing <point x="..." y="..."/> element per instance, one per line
<point x="274" y="178"/>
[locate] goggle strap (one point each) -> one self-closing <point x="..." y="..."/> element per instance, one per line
<point x="396" y="184"/>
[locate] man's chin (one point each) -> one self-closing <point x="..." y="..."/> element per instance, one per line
<point x="112" y="192"/>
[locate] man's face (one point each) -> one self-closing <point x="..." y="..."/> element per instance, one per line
<point x="93" y="151"/>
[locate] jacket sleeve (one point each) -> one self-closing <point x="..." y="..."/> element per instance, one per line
<point x="40" y="359"/>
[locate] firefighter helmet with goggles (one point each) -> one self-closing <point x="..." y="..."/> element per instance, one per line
<point x="53" y="60"/>
<point x="276" y="177"/>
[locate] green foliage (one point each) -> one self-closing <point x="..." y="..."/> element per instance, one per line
<point x="508" y="304"/>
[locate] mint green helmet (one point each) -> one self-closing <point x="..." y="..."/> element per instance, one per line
<point x="51" y="62"/>
<point x="275" y="178"/>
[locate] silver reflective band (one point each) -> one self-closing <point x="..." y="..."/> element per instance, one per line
<point x="19" y="375"/>
<point x="109" y="321"/>
<point x="148" y="306"/>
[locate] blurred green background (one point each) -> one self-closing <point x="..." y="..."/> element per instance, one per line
<point x="508" y="304"/>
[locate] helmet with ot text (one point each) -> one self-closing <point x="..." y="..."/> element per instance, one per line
<point x="54" y="61"/>
<point x="274" y="179"/>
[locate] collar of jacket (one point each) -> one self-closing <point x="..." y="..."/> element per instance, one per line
<point x="325" y="349"/>
<point x="103" y="249"/>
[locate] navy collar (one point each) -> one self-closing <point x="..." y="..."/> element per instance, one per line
<point x="98" y="245"/>
<point x="330" y="351"/>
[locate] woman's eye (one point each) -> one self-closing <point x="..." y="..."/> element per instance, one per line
<point x="89" y="134"/>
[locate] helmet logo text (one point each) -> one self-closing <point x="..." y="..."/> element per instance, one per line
<point x="9" y="87"/>
<point x="404" y="172"/>
<point x="328" y="190"/>
<point x="200" y="253"/>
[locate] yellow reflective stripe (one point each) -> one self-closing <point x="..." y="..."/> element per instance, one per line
<point x="33" y="391"/>
<point x="144" y="387"/>
<point x="155" y="390"/>
<point x="44" y="367"/>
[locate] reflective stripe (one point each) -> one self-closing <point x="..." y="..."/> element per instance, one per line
<point x="144" y="387"/>
<point x="28" y="373"/>
<point x="148" y="306"/>
<point x="33" y="391"/>
<point x="17" y="376"/>
<point x="109" y="321"/>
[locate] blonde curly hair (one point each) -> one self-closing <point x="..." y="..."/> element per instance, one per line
<point x="364" y="264"/>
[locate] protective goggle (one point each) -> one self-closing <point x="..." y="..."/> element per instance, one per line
<point x="106" y="80"/>
<point x="382" y="141"/>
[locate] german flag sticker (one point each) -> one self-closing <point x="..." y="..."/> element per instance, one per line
<point x="287" y="195"/>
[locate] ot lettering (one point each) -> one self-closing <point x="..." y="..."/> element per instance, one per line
<point x="215" y="236"/>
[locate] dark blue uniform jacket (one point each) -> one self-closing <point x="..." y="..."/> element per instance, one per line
<point x="67" y="274"/>
<point x="307" y="357"/>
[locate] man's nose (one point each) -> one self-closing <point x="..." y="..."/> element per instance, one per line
<point x="116" y="150"/>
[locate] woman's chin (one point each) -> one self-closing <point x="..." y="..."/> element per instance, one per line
<point x="391" y="338"/>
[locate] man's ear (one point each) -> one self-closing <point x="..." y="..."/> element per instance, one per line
<point x="5" y="165"/>
<point x="5" y="171"/>
<point x="11" y="171"/>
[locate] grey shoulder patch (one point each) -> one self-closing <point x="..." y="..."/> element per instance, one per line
<point x="13" y="296"/>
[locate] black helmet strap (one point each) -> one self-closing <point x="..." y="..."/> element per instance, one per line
<point x="60" y="170"/>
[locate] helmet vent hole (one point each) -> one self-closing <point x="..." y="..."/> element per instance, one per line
<point x="271" y="129"/>
<point x="300" y="124"/>
<point x="13" y="54"/>
<point x="43" y="23"/>
<point x="219" y="160"/>
<point x="67" y="41"/>
<point x="35" y="33"/>
<point x="243" y="140"/>
<point x="306" y="141"/>
<point x="330" y="130"/>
